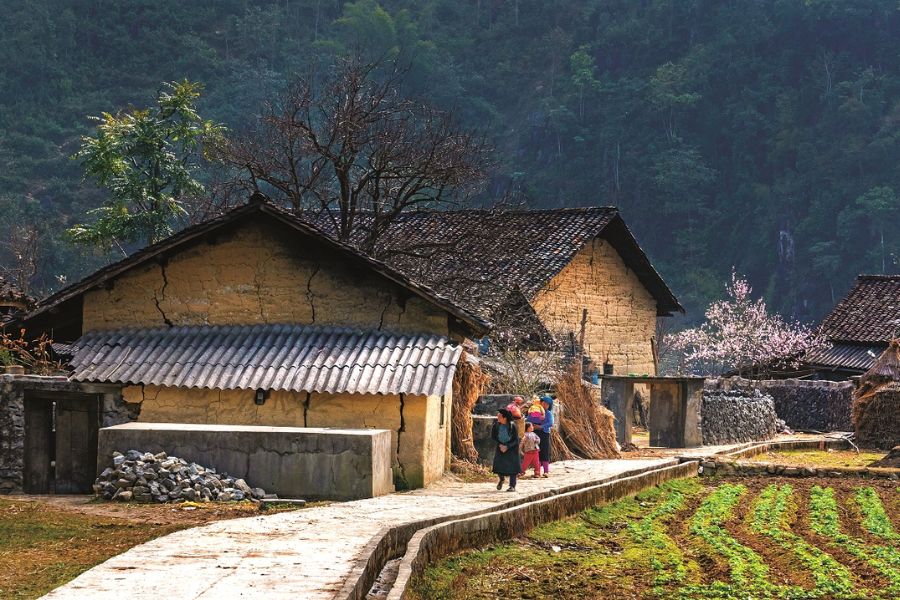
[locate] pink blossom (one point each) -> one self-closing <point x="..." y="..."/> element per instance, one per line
<point x="740" y="335"/>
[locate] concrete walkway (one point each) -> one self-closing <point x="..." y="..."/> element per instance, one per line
<point x="302" y="554"/>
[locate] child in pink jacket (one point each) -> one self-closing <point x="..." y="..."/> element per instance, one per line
<point x="531" y="448"/>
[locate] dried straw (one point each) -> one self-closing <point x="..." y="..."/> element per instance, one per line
<point x="586" y="427"/>
<point x="468" y="384"/>
<point x="876" y="402"/>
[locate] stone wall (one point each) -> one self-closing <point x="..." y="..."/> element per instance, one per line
<point x="13" y="392"/>
<point x="806" y="405"/>
<point x="732" y="416"/>
<point x="307" y="463"/>
<point x="621" y="312"/>
<point x="419" y="437"/>
<point x="255" y="275"/>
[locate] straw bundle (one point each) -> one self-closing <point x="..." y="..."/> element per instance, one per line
<point x="587" y="428"/>
<point x="876" y="403"/>
<point x="876" y="417"/>
<point x="468" y="384"/>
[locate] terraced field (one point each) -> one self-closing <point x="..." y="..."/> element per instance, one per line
<point x="699" y="538"/>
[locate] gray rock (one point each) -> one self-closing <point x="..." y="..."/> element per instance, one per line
<point x="124" y="496"/>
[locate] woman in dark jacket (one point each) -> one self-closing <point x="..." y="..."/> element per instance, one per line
<point x="507" y="462"/>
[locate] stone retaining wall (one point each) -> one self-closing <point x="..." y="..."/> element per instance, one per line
<point x="805" y="405"/>
<point x="309" y="463"/>
<point x="737" y="415"/>
<point x="728" y="464"/>
<point x="432" y="544"/>
<point x="14" y="389"/>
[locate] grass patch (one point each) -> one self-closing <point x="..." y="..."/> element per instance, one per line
<point x="819" y="458"/>
<point x="42" y="548"/>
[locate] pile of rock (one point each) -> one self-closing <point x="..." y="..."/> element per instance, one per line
<point x="146" y="477"/>
<point x="731" y="416"/>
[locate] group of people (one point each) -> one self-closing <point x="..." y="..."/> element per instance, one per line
<point x="522" y="434"/>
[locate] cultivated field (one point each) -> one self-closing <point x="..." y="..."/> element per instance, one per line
<point x="699" y="538"/>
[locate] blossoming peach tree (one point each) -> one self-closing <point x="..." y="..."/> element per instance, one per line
<point x="740" y="336"/>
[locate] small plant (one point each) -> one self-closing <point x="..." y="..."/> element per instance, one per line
<point x="773" y="514"/>
<point x="825" y="521"/>
<point x="35" y="356"/>
<point x="875" y="519"/>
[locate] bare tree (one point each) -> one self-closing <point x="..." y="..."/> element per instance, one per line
<point x="353" y="149"/>
<point x="23" y="245"/>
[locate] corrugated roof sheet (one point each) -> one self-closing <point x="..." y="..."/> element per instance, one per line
<point x="274" y="357"/>
<point x="845" y="356"/>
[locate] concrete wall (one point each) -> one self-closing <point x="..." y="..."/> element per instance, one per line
<point x="621" y="312"/>
<point x="255" y="275"/>
<point x="419" y="441"/>
<point x="292" y="462"/>
<point x="13" y="390"/>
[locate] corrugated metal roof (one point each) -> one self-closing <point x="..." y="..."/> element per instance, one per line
<point x="273" y="357"/>
<point x="845" y="356"/>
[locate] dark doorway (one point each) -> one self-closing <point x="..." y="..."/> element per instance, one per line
<point x="61" y="443"/>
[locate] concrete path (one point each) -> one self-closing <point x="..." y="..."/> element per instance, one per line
<point x="302" y="554"/>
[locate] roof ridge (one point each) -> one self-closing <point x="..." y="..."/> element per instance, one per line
<point x="878" y="277"/>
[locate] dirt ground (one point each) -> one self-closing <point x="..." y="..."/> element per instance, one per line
<point x="48" y="540"/>
<point x="187" y="514"/>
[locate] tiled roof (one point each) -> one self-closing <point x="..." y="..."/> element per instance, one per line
<point x="259" y="206"/>
<point x="478" y="257"/>
<point x="869" y="314"/>
<point x="851" y="357"/>
<point x="273" y="357"/>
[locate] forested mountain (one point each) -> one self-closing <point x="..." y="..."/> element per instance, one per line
<point x="763" y="135"/>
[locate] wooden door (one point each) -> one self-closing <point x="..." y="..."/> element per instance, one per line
<point x="38" y="445"/>
<point x="77" y="425"/>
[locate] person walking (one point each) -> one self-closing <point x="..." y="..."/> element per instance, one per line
<point x="530" y="449"/>
<point x="543" y="429"/>
<point x="506" y="457"/>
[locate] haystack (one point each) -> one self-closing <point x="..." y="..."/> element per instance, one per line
<point x="586" y="427"/>
<point x="468" y="384"/>
<point x="876" y="402"/>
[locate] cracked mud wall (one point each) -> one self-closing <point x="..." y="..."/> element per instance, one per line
<point x="256" y="275"/>
<point x="621" y="311"/>
<point x="420" y="450"/>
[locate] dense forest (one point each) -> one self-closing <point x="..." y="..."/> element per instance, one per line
<point x="759" y="135"/>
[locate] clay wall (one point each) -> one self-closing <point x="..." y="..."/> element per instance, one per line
<point x="621" y="315"/>
<point x="253" y="275"/>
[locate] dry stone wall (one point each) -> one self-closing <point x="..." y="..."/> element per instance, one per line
<point x="806" y="405"/>
<point x="733" y="416"/>
<point x="13" y="391"/>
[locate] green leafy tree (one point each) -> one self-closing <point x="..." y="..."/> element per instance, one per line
<point x="147" y="159"/>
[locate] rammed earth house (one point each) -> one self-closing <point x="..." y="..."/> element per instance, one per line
<point x="257" y="318"/>
<point x="558" y="263"/>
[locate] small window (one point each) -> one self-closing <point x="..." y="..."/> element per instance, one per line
<point x="443" y="408"/>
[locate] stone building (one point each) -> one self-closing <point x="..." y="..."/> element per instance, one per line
<point x="859" y="328"/>
<point x="257" y="318"/>
<point x="564" y="266"/>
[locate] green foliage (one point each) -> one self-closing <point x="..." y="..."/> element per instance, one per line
<point x="773" y="514"/>
<point x="875" y="518"/>
<point x="147" y="161"/>
<point x="825" y="521"/>
<point x="731" y="134"/>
